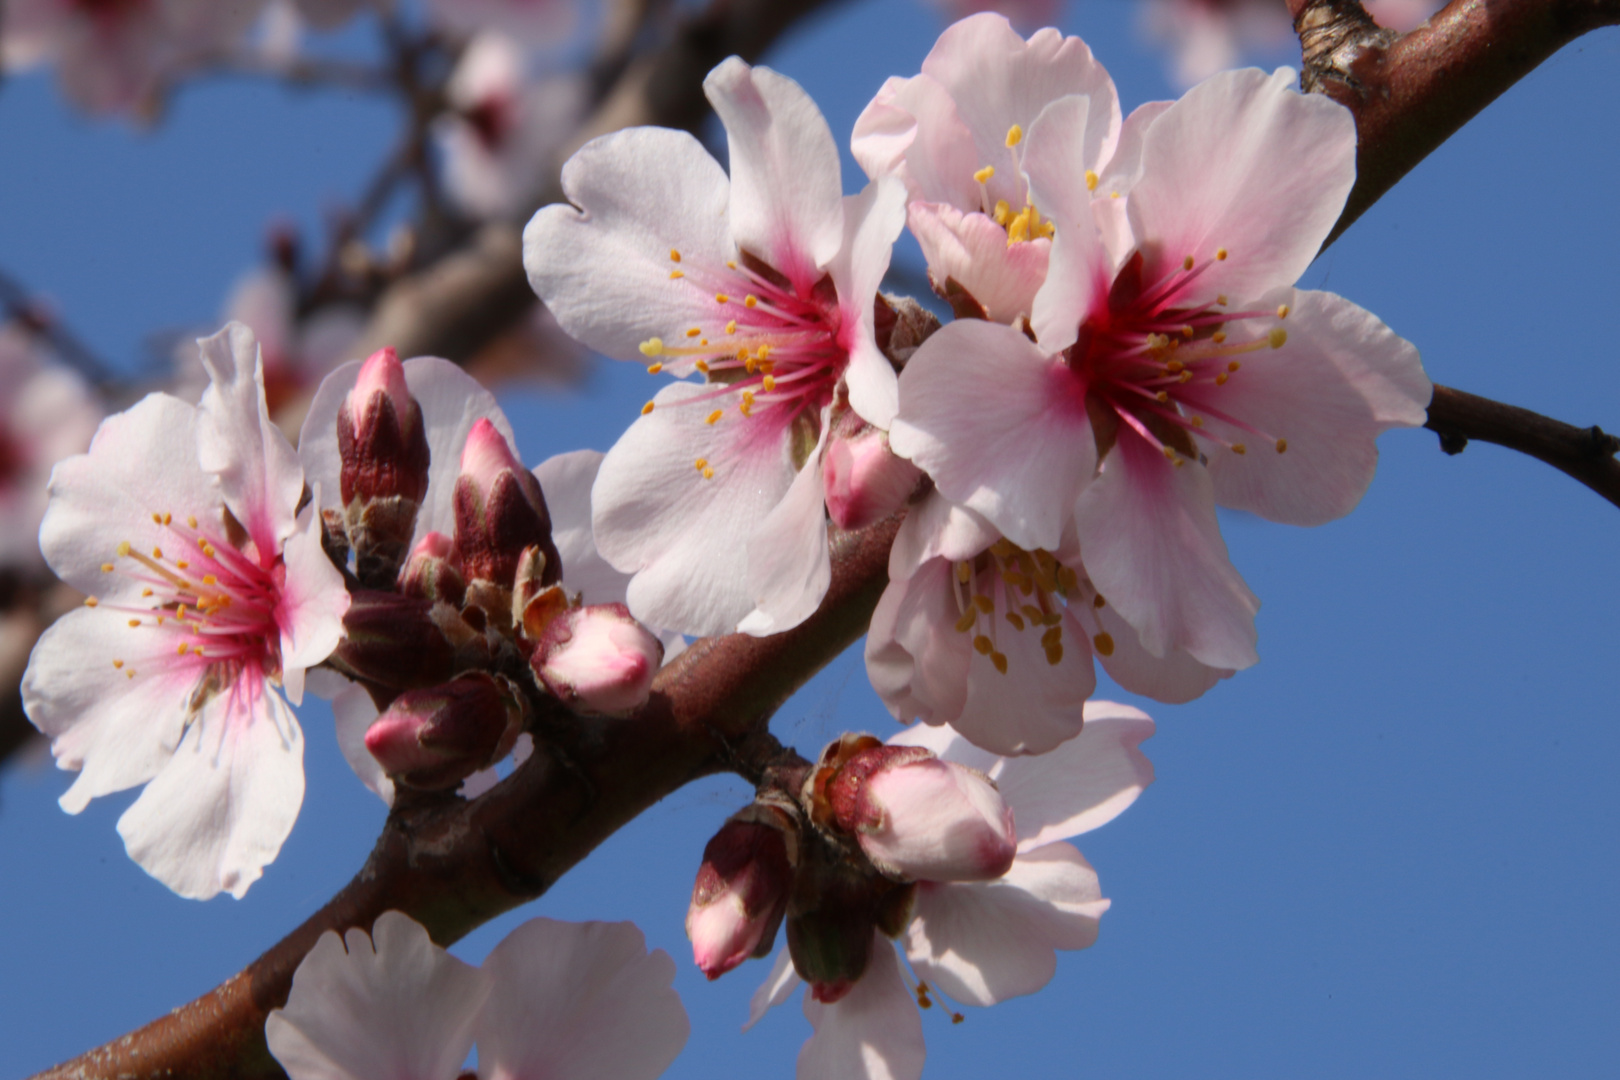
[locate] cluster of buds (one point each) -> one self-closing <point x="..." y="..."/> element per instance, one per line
<point x="382" y="442"/>
<point x="436" y="737"/>
<point x="842" y="857"/>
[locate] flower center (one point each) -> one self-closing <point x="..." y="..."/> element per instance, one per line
<point x="770" y="352"/>
<point x="1028" y="591"/>
<point x="1025" y="224"/>
<point x="1152" y="362"/>
<point x="215" y="606"/>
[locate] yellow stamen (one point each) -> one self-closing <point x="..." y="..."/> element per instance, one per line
<point x="694" y="332"/>
<point x="674" y="256"/>
<point x="731" y="327"/>
<point x="1282" y="446"/>
<point x="652" y="347"/>
<point x="983" y="175"/>
<point x="983" y="645"/>
<point x="106" y="568"/>
<point x="1015" y="135"/>
<point x="1282" y="311"/>
<point x="1000" y="661"/>
<point x="1218" y="336"/>
<point x="1104" y="644"/>
<point x="134" y="622"/>
<point x="714" y="417"/>
<point x="1220" y="254"/>
<point x="192" y="522"/>
<point x="653" y="369"/>
<point x="700" y="464"/>
<point x="1220" y="379"/>
<point x="769" y="383"/>
<point x="965" y="623"/>
<point x="721" y="298"/>
<point x="750" y="301"/>
<point x="1016" y="619"/>
<point x="1091" y="180"/>
<point x="675" y="274"/>
<point x="90" y="601"/>
<point x="1239" y="448"/>
<point x="1278" y="337"/>
<point x="703" y="366"/>
<point x="647" y="408"/>
<point x="1002" y="212"/>
<point x="984" y="604"/>
<point x="964" y="572"/>
<point x="1187" y="263"/>
<point x="118" y="663"/>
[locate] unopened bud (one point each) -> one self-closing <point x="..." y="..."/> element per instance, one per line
<point x="383" y="447"/>
<point x="598" y="659"/>
<point x="500" y="511"/>
<point x="742" y="889"/>
<point x="918" y="818"/>
<point x="865" y="481"/>
<point x="394" y="640"/>
<point x="435" y="738"/>
<point x="431" y="572"/>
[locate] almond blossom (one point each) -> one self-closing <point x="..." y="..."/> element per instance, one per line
<point x="982" y="942"/>
<point x="953" y="132"/>
<point x="998" y="642"/>
<point x="535" y="22"/>
<point x="208" y="589"/>
<point x="1127" y="418"/>
<point x="567" y="1001"/>
<point x="765" y="284"/>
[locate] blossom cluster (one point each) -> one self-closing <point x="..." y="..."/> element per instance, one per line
<point x="1129" y="350"/>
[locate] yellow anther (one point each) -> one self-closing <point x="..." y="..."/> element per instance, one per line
<point x="1034" y="614"/>
<point x="730" y="265"/>
<point x="721" y="298"/>
<point x="1018" y="227"/>
<point x="106" y="568"/>
<point x="1091" y="180"/>
<point x="1054" y="654"/>
<point x="130" y="673"/>
<point x="210" y="579"/>
<point x="1161" y="397"/>
<point x="1113" y="194"/>
<point x="763" y="352"/>
<point x="708" y="473"/>
<point x="1239" y="448"/>
<point x="123" y="548"/>
<point x="674" y="256"/>
<point x="134" y="622"/>
<point x="1186" y="331"/>
<point x="208" y="550"/>
<point x="768" y="383"/>
<point x="1015" y="135"/>
<point x="983" y="645"/>
<point x="1000" y="661"/>
<point x="118" y="663"/>
<point x="653" y="369"/>
<point x="1197" y="421"/>
<point x="182" y="565"/>
<point x="1170" y="453"/>
<point x="1104" y="644"/>
<point x="1002" y="549"/>
<point x="965" y="623"/>
<point x="704" y="341"/>
<point x="145" y="593"/>
<point x="747" y="405"/>
<point x="1174" y="367"/>
<point x="1282" y="446"/>
<point x="1049" y="229"/>
<point x="652" y="347"/>
<point x="1002" y="212"/>
<point x="1052" y="636"/>
<point x="1068" y="580"/>
<point x="714" y="417"/>
<point x="1016" y="619"/>
<point x="1218" y="336"/>
<point x="1278" y="337"/>
<point x="1186" y="376"/>
<point x="647" y="408"/>
<point x="1282" y="311"/>
<point x="983" y="175"/>
<point x="1232" y="365"/>
<point x="703" y="366"/>
<point x="181" y="650"/>
<point x="1220" y="254"/>
<point x="1187" y="263"/>
<point x="1221" y="299"/>
<point x="701" y="464"/>
<point x="1220" y="379"/>
<point x="192" y="522"/>
<point x="750" y="301"/>
<point x="167" y="517"/>
<point x="731" y="327"/>
<point x="964" y="572"/>
<point x="157" y="519"/>
<point x="1098" y="602"/>
<point x="984" y="604"/>
<point x="694" y="332"/>
<point x="90" y="601"/>
<point x="675" y="274"/>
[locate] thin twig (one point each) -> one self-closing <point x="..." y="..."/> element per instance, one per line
<point x="1587" y="454"/>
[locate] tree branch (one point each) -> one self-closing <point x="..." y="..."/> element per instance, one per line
<point x="1587" y="454"/>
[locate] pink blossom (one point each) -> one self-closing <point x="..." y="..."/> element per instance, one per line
<point x="713" y="500"/>
<point x="983" y="942"/>
<point x="864" y="480"/>
<point x="999" y="642"/>
<point x="46" y="413"/>
<point x="742" y="889"/>
<point x="567" y="1001"/>
<point x="598" y="659"/>
<point x="534" y="22"/>
<point x="1206" y="36"/>
<point x="1128" y="419"/>
<point x="953" y="134"/>
<point x="207" y="591"/>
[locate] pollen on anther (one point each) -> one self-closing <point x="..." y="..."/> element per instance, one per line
<point x="983" y="645"/>
<point x="1239" y="448"/>
<point x="1282" y="311"/>
<point x="983" y="175"/>
<point x="674" y="256"/>
<point x="964" y="572"/>
<point x="731" y="327"/>
<point x="134" y="622"/>
<point x="965" y="623"/>
<point x="1091" y="180"/>
<point x="653" y="369"/>
<point x="1161" y="397"/>
<point x="118" y="663"/>
<point x="1015" y="135"/>
<point x="1187" y="263"/>
<point x="984" y="604"/>
<point x="157" y="519"/>
<point x="1282" y="446"/>
<point x="647" y="408"/>
<point x="1220" y="254"/>
<point x="769" y="383"/>
<point x="106" y="568"/>
<point x="145" y="593"/>
<point x="1278" y="337"/>
<point x="1104" y="644"/>
<point x="1016" y="619"/>
<point x="750" y="301"/>
<point x="694" y="332"/>
<point x="1232" y="365"/>
<point x="1197" y="421"/>
<point x="1220" y="378"/>
<point x="182" y="565"/>
<point x="91" y="601"/>
<point x="721" y="298"/>
<point x="1221" y="300"/>
<point x="1218" y="336"/>
<point x="714" y="417"/>
<point x="703" y="366"/>
<point x="675" y="274"/>
<point x="700" y="464"/>
<point x="123" y="548"/>
<point x="652" y="347"/>
<point x="1000" y="661"/>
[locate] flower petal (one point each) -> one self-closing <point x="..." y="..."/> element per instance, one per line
<point x="1000" y="427"/>
<point x="1079" y="268"/>
<point x="985" y="942"/>
<point x="352" y="714"/>
<point x="873" y="1032"/>
<point x="566" y="480"/>
<point x="1342" y="378"/>
<point x="972" y="250"/>
<point x="872" y="221"/>
<point x="786" y="192"/>
<point x="579" y="1000"/>
<point x="776" y="988"/>
<point x="916" y="660"/>
<point x="1174" y="678"/>
<point x="789" y="565"/>
<point x="934" y="528"/>
<point x="391" y="1004"/>
<point x="1154" y="549"/>
<point x="310" y="604"/>
<point x="220" y="809"/>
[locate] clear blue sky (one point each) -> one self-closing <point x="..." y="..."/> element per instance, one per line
<point x="1388" y="850"/>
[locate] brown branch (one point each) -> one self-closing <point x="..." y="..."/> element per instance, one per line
<point x="453" y="865"/>
<point x="1587" y="454"/>
<point x="1410" y="93"/>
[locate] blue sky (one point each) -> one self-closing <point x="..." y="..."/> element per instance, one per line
<point x="1387" y="850"/>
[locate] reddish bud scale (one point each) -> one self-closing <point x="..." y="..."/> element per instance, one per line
<point x="394" y="640"/>
<point x="431" y="572"/>
<point x="740" y="895"/>
<point x="434" y="738"/>
<point x="847" y="794"/>
<point x="494" y="525"/>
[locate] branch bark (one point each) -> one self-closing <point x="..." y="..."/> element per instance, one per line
<point x="1587" y="454"/>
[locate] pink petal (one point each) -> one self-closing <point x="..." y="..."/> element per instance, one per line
<point x="937" y="527"/>
<point x="352" y="714"/>
<point x="566" y="480"/>
<point x="1341" y="379"/>
<point x="1174" y="678"/>
<point x="789" y="566"/>
<point x="1000" y="427"/>
<point x="1057" y="158"/>
<point x="912" y="130"/>
<point x="985" y="942"/>
<point x="579" y="1000"/>
<point x="916" y="660"/>
<point x="872" y="221"/>
<point x="311" y="603"/>
<point x="604" y="269"/>
<point x="1036" y="706"/>
<point x="1246" y="163"/>
<point x="873" y="1032"/>
<point x="972" y="250"/>
<point x="776" y="988"/>
<point x="1082" y="784"/>
<point x="1153" y="548"/>
<point x="786" y="191"/>
<point x="391" y="1004"/>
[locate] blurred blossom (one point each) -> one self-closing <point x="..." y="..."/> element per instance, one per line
<point x="47" y="412"/>
<point x="567" y="1001"/>
<point x="533" y="22"/>
<point x="982" y="942"/>
<point x="118" y="55"/>
<point x="207" y="592"/>
<point x="500" y="137"/>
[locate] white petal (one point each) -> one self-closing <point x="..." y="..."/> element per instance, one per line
<point x="218" y="812"/>
<point x="310" y="604"/>
<point x="1036" y="706"/>
<point x="392" y="1005"/>
<point x="989" y="941"/>
<point x="776" y="988"/>
<point x="352" y="714"/>
<point x="1174" y="678"/>
<point x="579" y="1001"/>
<point x="1154" y="550"/>
<point x="873" y="1032"/>
<point x="789" y="566"/>
<point x="872" y="221"/>
<point x="1080" y="267"/>
<point x="916" y="660"/>
<point x="1084" y="783"/>
<point x="786" y="192"/>
<point x="1342" y="378"/>
<point x="972" y="250"/>
<point x="938" y="528"/>
<point x="1000" y="427"/>
<point x="259" y="472"/>
<point x="604" y="269"/>
<point x="680" y="535"/>
<point x="566" y="480"/>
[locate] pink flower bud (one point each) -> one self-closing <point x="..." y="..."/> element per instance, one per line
<point x="918" y="818"/>
<point x="742" y="889"/>
<point x="598" y="659"/>
<point x="381" y="438"/>
<point x="865" y="481"/>
<point x="431" y="572"/>
<point x="394" y="641"/>
<point x="500" y="511"/>
<point x="435" y="738"/>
